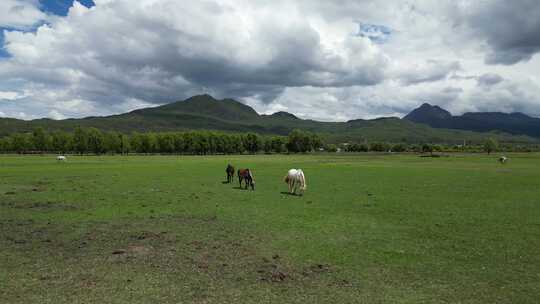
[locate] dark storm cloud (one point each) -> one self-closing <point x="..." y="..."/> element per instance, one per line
<point x="510" y="28"/>
<point x="489" y="79"/>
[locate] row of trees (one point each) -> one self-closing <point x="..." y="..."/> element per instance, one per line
<point x="95" y="141"/>
<point x="489" y="146"/>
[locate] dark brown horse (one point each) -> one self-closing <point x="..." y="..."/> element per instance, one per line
<point x="245" y="175"/>
<point x="230" y="173"/>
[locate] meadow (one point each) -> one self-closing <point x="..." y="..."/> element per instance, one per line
<point x="369" y="229"/>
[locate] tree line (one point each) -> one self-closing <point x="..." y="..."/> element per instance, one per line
<point x="489" y="146"/>
<point x="95" y="141"/>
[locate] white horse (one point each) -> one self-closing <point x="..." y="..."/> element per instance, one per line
<point x="61" y="158"/>
<point x="503" y="159"/>
<point x="296" y="180"/>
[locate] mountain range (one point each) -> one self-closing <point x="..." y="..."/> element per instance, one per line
<point x="513" y="123"/>
<point x="425" y="124"/>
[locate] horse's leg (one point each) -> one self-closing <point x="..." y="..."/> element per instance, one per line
<point x="291" y="185"/>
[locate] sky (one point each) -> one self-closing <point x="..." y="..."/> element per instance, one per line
<point x="331" y="60"/>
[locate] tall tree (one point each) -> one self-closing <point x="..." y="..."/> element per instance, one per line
<point x="148" y="143"/>
<point x="491" y="145"/>
<point x="95" y="141"/>
<point x="278" y="144"/>
<point x="252" y="142"/>
<point x="39" y="139"/>
<point x="166" y="142"/>
<point x="21" y="142"/>
<point x="300" y="141"/>
<point x="61" y="142"/>
<point x="80" y="140"/>
<point x="112" y="142"/>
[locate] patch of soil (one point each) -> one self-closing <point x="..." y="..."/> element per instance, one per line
<point x="45" y="206"/>
<point x="139" y="250"/>
<point x="273" y="271"/>
<point x="316" y="269"/>
<point x="148" y="235"/>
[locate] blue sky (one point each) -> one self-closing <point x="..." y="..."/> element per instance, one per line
<point x="2" y="51"/>
<point x="376" y="33"/>
<point x="61" y="7"/>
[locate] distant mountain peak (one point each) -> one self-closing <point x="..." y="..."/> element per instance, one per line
<point x="284" y="114"/>
<point x="427" y="112"/>
<point x="513" y="123"/>
<point x="207" y="105"/>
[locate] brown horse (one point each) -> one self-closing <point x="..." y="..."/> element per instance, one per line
<point x="230" y="173"/>
<point x="245" y="175"/>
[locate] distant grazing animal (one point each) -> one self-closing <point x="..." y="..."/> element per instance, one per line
<point x="61" y="158"/>
<point x="503" y="159"/>
<point x="230" y="173"/>
<point x="296" y="180"/>
<point x="246" y="176"/>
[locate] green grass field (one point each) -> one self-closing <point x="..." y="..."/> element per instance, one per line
<point x="370" y="229"/>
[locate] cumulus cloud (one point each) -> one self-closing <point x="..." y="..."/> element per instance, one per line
<point x="20" y="14"/>
<point x="510" y="28"/>
<point x="427" y="71"/>
<point x="7" y="95"/>
<point x="159" y="51"/>
<point x="326" y="60"/>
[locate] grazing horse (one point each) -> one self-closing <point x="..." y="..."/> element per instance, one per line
<point x="230" y="173"/>
<point x="245" y="175"/>
<point x="296" y="180"/>
<point x="61" y="158"/>
<point x="503" y="159"/>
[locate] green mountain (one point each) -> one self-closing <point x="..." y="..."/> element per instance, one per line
<point x="228" y="115"/>
<point x="513" y="123"/>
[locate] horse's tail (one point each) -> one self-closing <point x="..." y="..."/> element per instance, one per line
<point x="302" y="179"/>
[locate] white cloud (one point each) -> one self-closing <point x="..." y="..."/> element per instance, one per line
<point x="20" y="14"/>
<point x="9" y="95"/>
<point x="311" y="58"/>
<point x="54" y="114"/>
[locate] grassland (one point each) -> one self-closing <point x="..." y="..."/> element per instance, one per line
<point x="370" y="229"/>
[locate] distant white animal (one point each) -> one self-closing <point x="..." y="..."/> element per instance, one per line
<point x="61" y="158"/>
<point x="296" y="180"/>
<point x="503" y="159"/>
